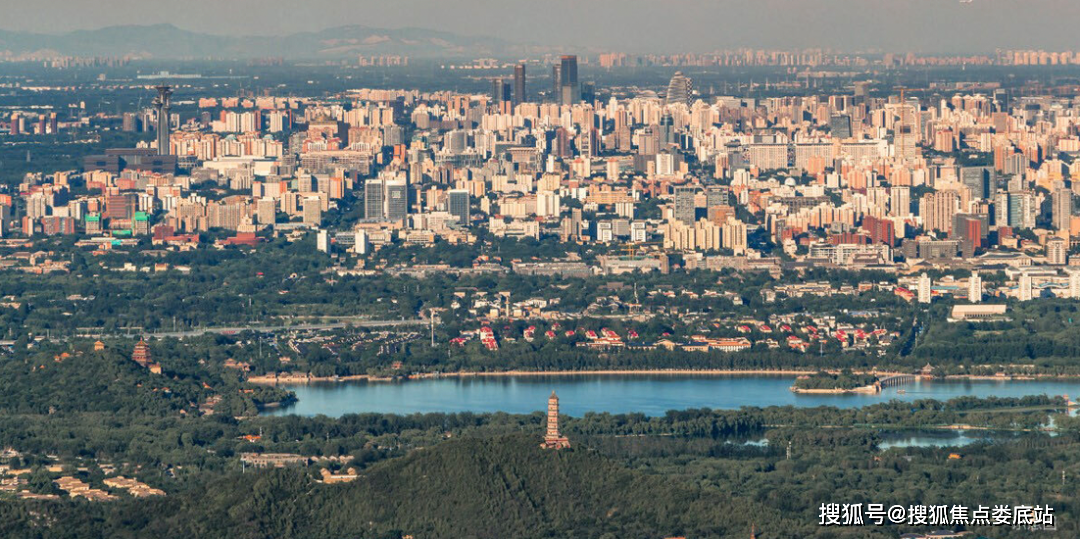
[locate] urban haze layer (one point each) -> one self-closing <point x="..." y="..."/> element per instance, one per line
<point x="408" y="284"/>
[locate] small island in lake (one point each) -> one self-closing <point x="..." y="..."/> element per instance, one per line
<point x="844" y="382"/>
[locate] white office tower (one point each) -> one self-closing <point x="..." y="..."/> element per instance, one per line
<point x="361" y="246"/>
<point x="1024" y="293"/>
<point x="975" y="289"/>
<point x="322" y="241"/>
<point x="924" y="288"/>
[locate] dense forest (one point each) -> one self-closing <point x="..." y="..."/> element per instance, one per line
<point x="505" y="486"/>
<point x="53" y="379"/>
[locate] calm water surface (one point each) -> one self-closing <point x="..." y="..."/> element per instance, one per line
<point x="649" y="394"/>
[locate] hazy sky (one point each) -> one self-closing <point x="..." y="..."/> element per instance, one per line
<point x="633" y="25"/>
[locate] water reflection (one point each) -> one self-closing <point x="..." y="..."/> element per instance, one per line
<point x="959" y="438"/>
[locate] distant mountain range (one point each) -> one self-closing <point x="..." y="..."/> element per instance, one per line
<point x="167" y="41"/>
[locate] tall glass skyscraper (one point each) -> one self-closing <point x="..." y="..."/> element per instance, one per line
<point x="569" y="90"/>
<point x="457" y="204"/>
<point x="519" y="84"/>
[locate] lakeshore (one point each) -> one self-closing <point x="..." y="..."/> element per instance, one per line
<point x="290" y="379"/>
<point x="286" y="379"/>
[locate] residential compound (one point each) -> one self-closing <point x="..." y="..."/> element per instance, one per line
<point x="968" y="178"/>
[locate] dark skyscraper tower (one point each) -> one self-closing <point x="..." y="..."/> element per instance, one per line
<point x="667" y="130"/>
<point x="397" y="201"/>
<point x="556" y="82"/>
<point x="374" y="199"/>
<point x="588" y="92"/>
<point x="569" y="91"/>
<point x="840" y="125"/>
<point x="457" y="203"/>
<point x="519" y="84"/>
<point x="501" y="91"/>
<point x="163" y="104"/>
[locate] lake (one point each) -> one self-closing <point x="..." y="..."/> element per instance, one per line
<point x="648" y="394"/>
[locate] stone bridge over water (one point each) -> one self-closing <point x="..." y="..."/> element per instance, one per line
<point x="896" y="380"/>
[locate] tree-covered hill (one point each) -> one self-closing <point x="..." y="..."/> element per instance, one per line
<point x="61" y="379"/>
<point x="474" y="487"/>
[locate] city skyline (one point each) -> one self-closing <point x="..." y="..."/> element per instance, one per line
<point x="691" y="25"/>
<point x="781" y="268"/>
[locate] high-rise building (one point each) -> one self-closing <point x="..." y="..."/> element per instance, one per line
<point x="588" y="92"/>
<point x="715" y="196"/>
<point x="163" y="105"/>
<point x="6" y="220"/>
<point x="666" y="130"/>
<point x="975" y="290"/>
<point x="556" y="82"/>
<point x="970" y="230"/>
<point x="312" y="211"/>
<point x="266" y="211"/>
<point x="880" y="230"/>
<point x="1062" y="209"/>
<point x="130" y="123"/>
<point x="1057" y="251"/>
<point x="569" y="90"/>
<point x="685" y="207"/>
<point x="1001" y="100"/>
<point x="862" y="91"/>
<point x="397" y="200"/>
<point x="679" y="89"/>
<point x="899" y="201"/>
<point x="374" y="199"/>
<point x="734" y="236"/>
<point x="1023" y="292"/>
<point x="840" y="126"/>
<point x="937" y="210"/>
<point x="980" y="180"/>
<point x="1074" y="284"/>
<point x="457" y="203"/>
<point x="587" y="142"/>
<point x="924" y="288"/>
<point x="501" y="91"/>
<point x="322" y="241"/>
<point x="548" y="204"/>
<point x="360" y="242"/>
<point x="119" y="206"/>
<point x="906" y="130"/>
<point x="1015" y="209"/>
<point x="553" y="439"/>
<point x="572" y="226"/>
<point x="519" y="84"/>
